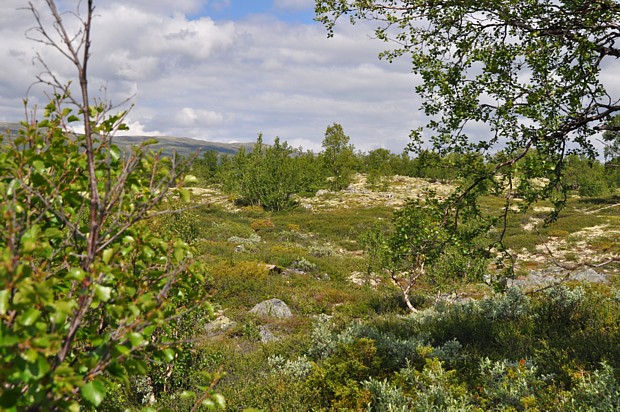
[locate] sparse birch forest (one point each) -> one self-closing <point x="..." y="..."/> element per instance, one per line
<point x="458" y="275"/>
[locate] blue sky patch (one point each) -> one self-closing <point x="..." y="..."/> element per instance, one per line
<point x="221" y="10"/>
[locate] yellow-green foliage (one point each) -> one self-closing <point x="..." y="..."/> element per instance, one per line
<point x="557" y="233"/>
<point x="339" y="378"/>
<point x="255" y="211"/>
<point x="243" y="282"/>
<point x="259" y="224"/>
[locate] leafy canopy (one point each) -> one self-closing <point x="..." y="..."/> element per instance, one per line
<point x="515" y="75"/>
<point x="338" y="156"/>
<point x="270" y="175"/>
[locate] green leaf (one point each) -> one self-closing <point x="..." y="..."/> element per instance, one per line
<point x="29" y="239"/>
<point x="150" y="141"/>
<point x="122" y="349"/>
<point x="115" y="153"/>
<point x="103" y="292"/>
<point x="94" y="392"/>
<point x="12" y="186"/>
<point x="169" y="354"/>
<point x="40" y="368"/>
<point x="190" y="179"/>
<point x="53" y="233"/>
<point x="62" y="310"/>
<point x="39" y="166"/>
<point x="187" y="395"/>
<point x="9" y="398"/>
<point x="116" y="370"/>
<point x="76" y="274"/>
<point x="30" y="355"/>
<point x="107" y="255"/>
<point x="4" y="301"/>
<point x="29" y="317"/>
<point x="136" y="339"/>
<point x="179" y="253"/>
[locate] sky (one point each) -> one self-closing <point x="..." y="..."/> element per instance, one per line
<point x="225" y="70"/>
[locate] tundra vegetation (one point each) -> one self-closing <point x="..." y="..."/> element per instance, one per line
<point x="439" y="279"/>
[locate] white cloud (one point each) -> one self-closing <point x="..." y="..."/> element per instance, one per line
<point x="138" y="129"/>
<point x="136" y="43"/>
<point x="227" y="81"/>
<point x="192" y="117"/>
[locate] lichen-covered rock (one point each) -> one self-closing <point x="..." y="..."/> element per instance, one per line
<point x="219" y="326"/>
<point x="590" y="275"/>
<point x="266" y="335"/>
<point x="274" y="308"/>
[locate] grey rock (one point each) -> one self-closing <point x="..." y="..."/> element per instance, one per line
<point x="452" y="299"/>
<point x="274" y="269"/>
<point x="533" y="280"/>
<point x="293" y="272"/>
<point x="324" y="276"/>
<point x="266" y="335"/>
<point x="555" y="275"/>
<point x="219" y="326"/>
<point x="274" y="308"/>
<point x="590" y="275"/>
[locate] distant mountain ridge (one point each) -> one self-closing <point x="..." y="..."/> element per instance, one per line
<point x="169" y="144"/>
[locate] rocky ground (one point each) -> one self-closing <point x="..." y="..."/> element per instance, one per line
<point x="358" y="194"/>
<point x="555" y="260"/>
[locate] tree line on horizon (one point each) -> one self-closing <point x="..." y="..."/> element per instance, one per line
<point x="272" y="176"/>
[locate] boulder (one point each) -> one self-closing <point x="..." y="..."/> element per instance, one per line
<point x="266" y="335"/>
<point x="219" y="326"/>
<point x="274" y="308"/>
<point x="590" y="275"/>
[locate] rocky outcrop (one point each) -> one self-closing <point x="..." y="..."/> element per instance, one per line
<point x="218" y="326"/>
<point x="272" y="308"/>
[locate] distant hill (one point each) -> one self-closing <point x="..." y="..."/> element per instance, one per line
<point x="169" y="144"/>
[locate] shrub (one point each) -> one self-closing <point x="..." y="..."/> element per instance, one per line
<point x="259" y="224"/>
<point x="511" y="305"/>
<point x="434" y="388"/>
<point x="598" y="391"/>
<point x="507" y="384"/>
<point x="338" y="378"/>
<point x="297" y="369"/>
<point x="304" y="265"/>
<point x="385" y="398"/>
<point x="87" y="285"/>
<point x="321" y="251"/>
<point x="253" y="239"/>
